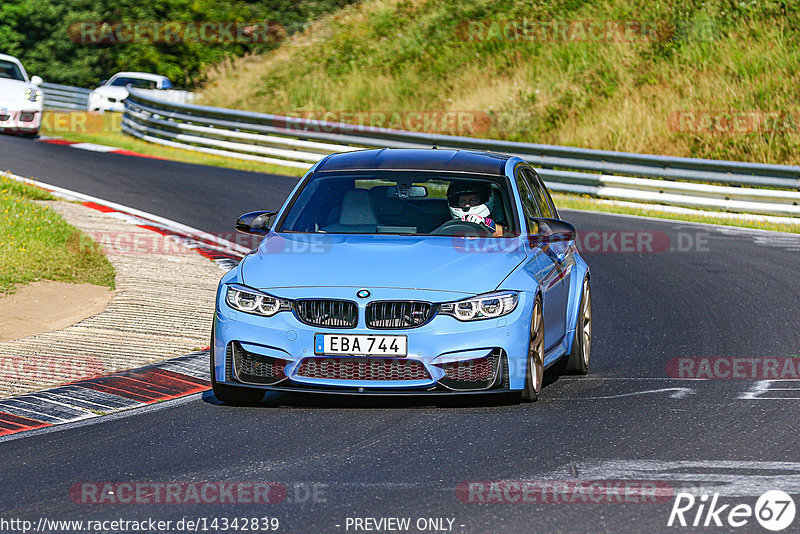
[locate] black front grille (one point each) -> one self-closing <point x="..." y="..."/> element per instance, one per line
<point x="327" y="312"/>
<point x="388" y="314"/>
<point x="254" y="368"/>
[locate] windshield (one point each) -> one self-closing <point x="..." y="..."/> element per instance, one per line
<point x="402" y="203"/>
<point x="135" y="82"/>
<point x="10" y="70"/>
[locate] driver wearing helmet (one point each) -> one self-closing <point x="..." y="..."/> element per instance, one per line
<point x="473" y="202"/>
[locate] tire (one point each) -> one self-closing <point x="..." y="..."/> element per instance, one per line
<point x="578" y="359"/>
<point x="534" y="370"/>
<point x="233" y="395"/>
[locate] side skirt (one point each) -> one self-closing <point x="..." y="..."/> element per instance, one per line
<point x="558" y="351"/>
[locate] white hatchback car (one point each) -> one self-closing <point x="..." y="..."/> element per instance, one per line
<point x="20" y="98"/>
<point x="110" y="95"/>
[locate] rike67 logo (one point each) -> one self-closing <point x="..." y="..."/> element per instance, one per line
<point x="774" y="510"/>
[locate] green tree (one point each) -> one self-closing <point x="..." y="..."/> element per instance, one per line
<point x="38" y="32"/>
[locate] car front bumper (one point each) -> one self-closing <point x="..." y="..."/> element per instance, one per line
<point x="444" y="355"/>
<point x="103" y="104"/>
<point x="15" y="117"/>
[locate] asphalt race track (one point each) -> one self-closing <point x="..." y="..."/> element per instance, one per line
<point x="152" y="185"/>
<point x="684" y="292"/>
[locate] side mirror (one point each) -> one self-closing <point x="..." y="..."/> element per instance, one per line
<point x="103" y="82"/>
<point x="36" y="80"/>
<point x="255" y="222"/>
<point x="551" y="231"/>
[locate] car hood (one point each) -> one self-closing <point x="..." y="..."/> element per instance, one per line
<point x="438" y="263"/>
<point x="13" y="90"/>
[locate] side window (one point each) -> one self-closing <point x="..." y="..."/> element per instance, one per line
<point x="547" y="197"/>
<point x="526" y="196"/>
<point x="533" y="186"/>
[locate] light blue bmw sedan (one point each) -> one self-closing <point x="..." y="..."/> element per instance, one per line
<point x="403" y="272"/>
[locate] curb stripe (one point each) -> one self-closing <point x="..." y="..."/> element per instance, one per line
<point x="123" y="388"/>
<point x="95" y="397"/>
<point x="124" y="152"/>
<point x="89" y="399"/>
<point x="76" y="402"/>
<point x="20" y="409"/>
<point x="93" y="147"/>
<point x="225" y="259"/>
<point x="149" y="383"/>
<point x="38" y="405"/>
<point x="188" y="381"/>
<point x="55" y="141"/>
<point x="98" y="207"/>
<point x="11" y="424"/>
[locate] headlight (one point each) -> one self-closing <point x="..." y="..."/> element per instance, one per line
<point x="253" y="301"/>
<point x="33" y="94"/>
<point x="95" y="96"/>
<point x="481" y="307"/>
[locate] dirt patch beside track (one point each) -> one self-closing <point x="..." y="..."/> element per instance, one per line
<point x="46" y="305"/>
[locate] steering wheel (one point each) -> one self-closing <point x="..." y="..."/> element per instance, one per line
<point x="457" y="227"/>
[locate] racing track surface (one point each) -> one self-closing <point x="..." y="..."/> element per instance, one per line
<point x="729" y="294"/>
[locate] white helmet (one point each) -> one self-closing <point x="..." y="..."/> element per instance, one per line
<point x="483" y="190"/>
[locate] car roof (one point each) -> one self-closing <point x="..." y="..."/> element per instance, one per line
<point x="142" y="75"/>
<point x="13" y="59"/>
<point x="10" y="58"/>
<point x="422" y="159"/>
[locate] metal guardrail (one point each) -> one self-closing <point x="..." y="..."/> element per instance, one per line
<point x="65" y="97"/>
<point x="696" y="183"/>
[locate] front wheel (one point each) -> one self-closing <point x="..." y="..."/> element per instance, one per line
<point x="534" y="373"/>
<point x="578" y="360"/>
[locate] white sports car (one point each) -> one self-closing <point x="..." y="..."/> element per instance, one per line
<point x="109" y="96"/>
<point x="20" y="98"/>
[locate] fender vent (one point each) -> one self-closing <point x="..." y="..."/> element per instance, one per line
<point x="480" y="373"/>
<point x="252" y="368"/>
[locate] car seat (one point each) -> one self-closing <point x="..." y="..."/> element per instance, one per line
<point x="357" y="214"/>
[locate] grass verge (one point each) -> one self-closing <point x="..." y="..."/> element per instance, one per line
<point x="698" y="78"/>
<point x="36" y="243"/>
<point x="574" y="202"/>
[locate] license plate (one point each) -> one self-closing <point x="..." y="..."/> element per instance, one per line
<point x="360" y="345"/>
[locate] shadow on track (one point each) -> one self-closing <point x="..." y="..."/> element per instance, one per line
<point x="274" y="399"/>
